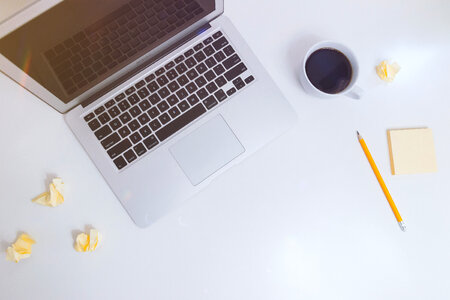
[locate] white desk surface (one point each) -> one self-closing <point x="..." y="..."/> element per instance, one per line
<point x="304" y="218"/>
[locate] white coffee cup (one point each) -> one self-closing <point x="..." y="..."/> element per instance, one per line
<point x="352" y="90"/>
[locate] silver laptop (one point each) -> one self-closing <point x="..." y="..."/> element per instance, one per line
<point x="164" y="95"/>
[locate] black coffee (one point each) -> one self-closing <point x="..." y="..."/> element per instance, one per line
<point x="329" y="70"/>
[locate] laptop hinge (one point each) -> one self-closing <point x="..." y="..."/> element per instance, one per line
<point x="144" y="65"/>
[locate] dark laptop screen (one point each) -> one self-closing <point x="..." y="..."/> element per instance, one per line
<point x="78" y="43"/>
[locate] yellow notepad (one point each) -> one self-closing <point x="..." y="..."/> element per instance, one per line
<point x="412" y="151"/>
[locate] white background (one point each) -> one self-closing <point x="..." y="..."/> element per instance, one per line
<point x="304" y="218"/>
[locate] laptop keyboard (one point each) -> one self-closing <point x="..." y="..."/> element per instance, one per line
<point x="151" y="110"/>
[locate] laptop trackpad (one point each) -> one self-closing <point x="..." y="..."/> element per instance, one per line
<point x="206" y="149"/>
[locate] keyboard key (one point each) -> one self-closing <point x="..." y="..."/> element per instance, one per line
<point x="238" y="83"/>
<point x="150" y="77"/>
<point x="217" y="34"/>
<point x="179" y="59"/>
<point x="174" y="112"/>
<point x="199" y="56"/>
<point x="134" y="125"/>
<point x="139" y="84"/>
<point x="164" y="118"/>
<point x="104" y="118"/>
<point x="191" y="87"/>
<point x="220" y="43"/>
<point x="201" y="68"/>
<point x="220" y="81"/>
<point x="111" y="140"/>
<point x="220" y="95"/>
<point x="124" y="105"/>
<point x="155" y="125"/>
<point x="201" y="81"/>
<point x="109" y="103"/>
<point x="190" y="62"/>
<point x="219" y="56"/>
<point x="135" y="111"/>
<point x="182" y="80"/>
<point x="162" y="80"/>
<point x="180" y="122"/>
<point x="89" y="117"/>
<point x="173" y="86"/>
<point x="202" y="93"/>
<point x="143" y="93"/>
<point x="231" y="61"/>
<point x="151" y="142"/>
<point x="219" y="69"/>
<point x="231" y="91"/>
<point x="135" y="137"/>
<point x="139" y="149"/>
<point x="143" y="119"/>
<point x="183" y="106"/>
<point x="163" y="106"/>
<point x="208" y="51"/>
<point x="210" y="75"/>
<point x="153" y="86"/>
<point x="210" y="102"/>
<point x="181" y="68"/>
<point x="133" y="99"/>
<point x="124" y="131"/>
<point x="172" y="100"/>
<point x="119" y="97"/>
<point x="182" y="94"/>
<point x="169" y="65"/>
<point x="164" y="92"/>
<point x="130" y="156"/>
<point x="130" y="90"/>
<point x="210" y="62"/>
<point x="153" y="112"/>
<point x="144" y="105"/>
<point x="228" y="50"/>
<point x="208" y="40"/>
<point x="145" y="131"/>
<point x="125" y="117"/>
<point x="94" y="124"/>
<point x="198" y="47"/>
<point x="120" y="162"/>
<point x="172" y="74"/>
<point x="211" y="87"/>
<point x="192" y="74"/>
<point x="193" y="99"/>
<point x="114" y="112"/>
<point x="115" y="124"/>
<point x="159" y="71"/>
<point x="188" y="53"/>
<point x="154" y="99"/>
<point x="249" y="79"/>
<point x="99" y="110"/>
<point x="103" y="132"/>
<point x="235" y="71"/>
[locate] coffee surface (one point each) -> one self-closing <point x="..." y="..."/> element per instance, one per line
<point x="329" y="70"/>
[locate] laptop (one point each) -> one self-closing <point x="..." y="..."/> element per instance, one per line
<point x="164" y="95"/>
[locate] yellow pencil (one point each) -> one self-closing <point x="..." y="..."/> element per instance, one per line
<point x="381" y="182"/>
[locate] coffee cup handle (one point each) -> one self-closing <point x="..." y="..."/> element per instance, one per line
<point x="355" y="93"/>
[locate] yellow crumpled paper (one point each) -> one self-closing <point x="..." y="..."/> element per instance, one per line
<point x="387" y="71"/>
<point x="54" y="196"/>
<point x="20" y="249"/>
<point x="88" y="243"/>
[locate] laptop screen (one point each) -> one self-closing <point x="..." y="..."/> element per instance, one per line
<point x="77" y="44"/>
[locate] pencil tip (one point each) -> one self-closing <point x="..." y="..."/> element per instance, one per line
<point x="357" y="132"/>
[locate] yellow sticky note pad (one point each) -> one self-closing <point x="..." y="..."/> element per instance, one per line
<point x="87" y="243"/>
<point x="54" y="196"/>
<point x="20" y="249"/>
<point x="412" y="151"/>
